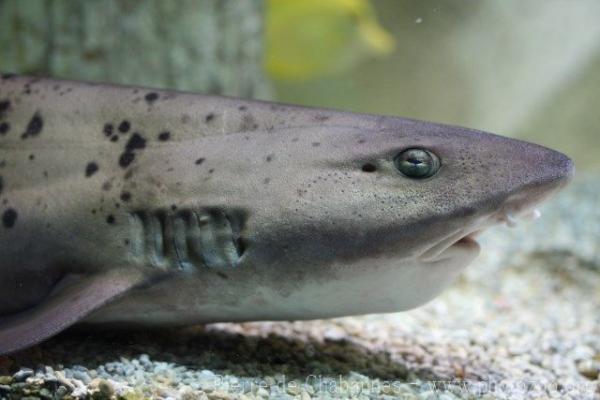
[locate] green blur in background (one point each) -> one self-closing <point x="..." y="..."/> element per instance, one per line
<point x="526" y="69"/>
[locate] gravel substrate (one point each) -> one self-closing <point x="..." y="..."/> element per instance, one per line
<point x="521" y="323"/>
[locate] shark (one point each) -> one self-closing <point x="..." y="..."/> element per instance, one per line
<point x="128" y="206"/>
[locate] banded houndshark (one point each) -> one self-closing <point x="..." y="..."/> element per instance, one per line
<point x="130" y="206"/>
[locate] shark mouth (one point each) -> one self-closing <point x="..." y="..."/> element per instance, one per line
<point x="461" y="242"/>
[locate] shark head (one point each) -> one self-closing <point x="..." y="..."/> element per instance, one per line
<point x="353" y="219"/>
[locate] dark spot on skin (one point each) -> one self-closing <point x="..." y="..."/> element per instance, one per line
<point x="361" y="141"/>
<point x="242" y="108"/>
<point x="106" y="186"/>
<point x="90" y="169"/>
<point x="108" y="130"/>
<point x="164" y="136"/>
<point x="34" y="127"/>
<point x="125" y="196"/>
<point x="114" y="138"/>
<point x="173" y="207"/>
<point x="266" y="181"/>
<point x="126" y="159"/>
<point x="94" y="211"/>
<point x="9" y="218"/>
<point x="199" y="161"/>
<point x="4" y="128"/>
<point x="124" y="126"/>
<point x="368" y="167"/>
<point x="118" y="205"/>
<point x="4" y="106"/>
<point x="32" y="157"/>
<point x="316" y="144"/>
<point x="321" y="117"/>
<point x="210" y="171"/>
<point x="151" y="97"/>
<point x="126" y="242"/>
<point x="209" y="117"/>
<point x="270" y="157"/>
<point x="295" y="139"/>
<point x="110" y="219"/>
<point x="135" y="142"/>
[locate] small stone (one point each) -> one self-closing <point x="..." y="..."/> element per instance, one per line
<point x="145" y="359"/>
<point x="23" y="374"/>
<point x="207" y="374"/>
<point x="589" y="369"/>
<point x="106" y="388"/>
<point x="6" y="380"/>
<point x="190" y="394"/>
<point x="82" y="376"/>
<point x="293" y="388"/>
<point x="270" y="380"/>
<point x="45" y="394"/>
<point x="61" y="391"/>
<point x="80" y="390"/>
<point x="219" y="395"/>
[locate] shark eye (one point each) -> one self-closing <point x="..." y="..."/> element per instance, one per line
<point x="417" y="163"/>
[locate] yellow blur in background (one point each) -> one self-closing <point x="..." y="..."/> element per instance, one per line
<point x="310" y="38"/>
<point x="526" y="69"/>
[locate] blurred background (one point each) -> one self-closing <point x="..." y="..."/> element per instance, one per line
<point x="528" y="69"/>
<point x="523" y="69"/>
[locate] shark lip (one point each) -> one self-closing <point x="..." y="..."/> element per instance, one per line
<point x="446" y="247"/>
<point x="465" y="242"/>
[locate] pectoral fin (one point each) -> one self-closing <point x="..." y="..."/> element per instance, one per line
<point x="68" y="304"/>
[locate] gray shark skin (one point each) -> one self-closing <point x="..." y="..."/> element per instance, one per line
<point x="130" y="206"/>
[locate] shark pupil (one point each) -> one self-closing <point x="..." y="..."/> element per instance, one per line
<point x="417" y="163"/>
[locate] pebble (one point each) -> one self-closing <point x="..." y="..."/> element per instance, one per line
<point x="23" y="374"/>
<point x="589" y="368"/>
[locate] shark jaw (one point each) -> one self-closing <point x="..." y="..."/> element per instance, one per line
<point x="519" y="206"/>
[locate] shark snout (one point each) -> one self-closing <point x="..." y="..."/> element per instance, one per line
<point x="530" y="174"/>
<point x="544" y="173"/>
<point x="556" y="169"/>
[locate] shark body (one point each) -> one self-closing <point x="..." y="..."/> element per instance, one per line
<point x="126" y="205"/>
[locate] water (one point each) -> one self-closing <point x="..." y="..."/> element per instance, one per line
<point x="529" y="70"/>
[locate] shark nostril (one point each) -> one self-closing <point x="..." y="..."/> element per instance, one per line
<point x="368" y="167"/>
